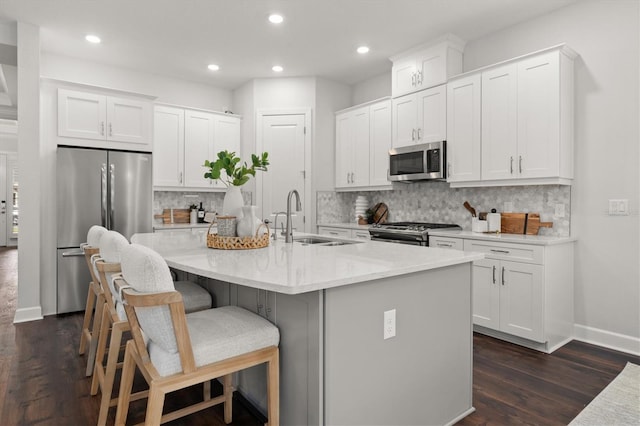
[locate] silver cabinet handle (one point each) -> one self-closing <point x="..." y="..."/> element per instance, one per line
<point x="333" y="233"/>
<point x="353" y="177"/>
<point x="414" y="78"/>
<point x="503" y="281"/>
<point x="444" y="244"/>
<point x="180" y="177"/>
<point x="413" y="134"/>
<point x="102" y="128"/>
<point x="450" y="169"/>
<point x="110" y="129"/>
<point x="520" y="163"/>
<point x="418" y="132"/>
<point x="499" y="251"/>
<point x="494" y="274"/>
<point x="419" y="79"/>
<point x="511" y="165"/>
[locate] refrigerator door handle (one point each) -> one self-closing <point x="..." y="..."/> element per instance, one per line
<point x="103" y="195"/>
<point x="73" y="253"/>
<point x="112" y="195"/>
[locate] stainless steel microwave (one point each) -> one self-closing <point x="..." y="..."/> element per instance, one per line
<point x="418" y="162"/>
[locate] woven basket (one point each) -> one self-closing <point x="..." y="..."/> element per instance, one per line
<point x="238" y="243"/>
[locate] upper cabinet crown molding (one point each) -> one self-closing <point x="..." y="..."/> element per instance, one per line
<point x="210" y="111"/>
<point x="92" y="88"/>
<point x="426" y="66"/>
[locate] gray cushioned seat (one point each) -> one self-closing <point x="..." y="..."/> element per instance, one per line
<point x="194" y="297"/>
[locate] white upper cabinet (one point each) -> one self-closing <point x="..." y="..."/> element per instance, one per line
<point x="526" y="122"/>
<point x="118" y="122"/>
<point x="499" y="121"/>
<point x="363" y="140"/>
<point x="420" y="117"/>
<point x="463" y="129"/>
<point x="168" y="153"/>
<point x="426" y="66"/>
<point x="184" y="139"/>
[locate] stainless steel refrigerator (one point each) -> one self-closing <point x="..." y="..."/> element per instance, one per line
<point x="96" y="187"/>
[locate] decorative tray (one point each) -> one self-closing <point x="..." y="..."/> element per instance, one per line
<point x="239" y="243"/>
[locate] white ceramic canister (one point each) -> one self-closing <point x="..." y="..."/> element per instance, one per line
<point x="248" y="224"/>
<point x="494" y="220"/>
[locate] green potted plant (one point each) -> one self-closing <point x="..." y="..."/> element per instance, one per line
<point x="235" y="175"/>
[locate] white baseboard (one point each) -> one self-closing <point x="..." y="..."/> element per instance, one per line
<point x="27" y="314"/>
<point x="607" y="339"/>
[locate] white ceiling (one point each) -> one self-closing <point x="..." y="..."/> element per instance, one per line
<point x="179" y="38"/>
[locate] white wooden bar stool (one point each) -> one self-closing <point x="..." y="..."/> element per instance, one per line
<point x="93" y="308"/>
<point x="114" y="320"/>
<point x="181" y="349"/>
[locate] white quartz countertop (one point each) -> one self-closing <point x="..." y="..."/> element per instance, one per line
<point x="541" y="240"/>
<point x="293" y="268"/>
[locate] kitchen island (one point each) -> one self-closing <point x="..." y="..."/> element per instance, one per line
<point x="329" y="303"/>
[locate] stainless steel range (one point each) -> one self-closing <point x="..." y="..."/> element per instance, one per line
<point x="415" y="233"/>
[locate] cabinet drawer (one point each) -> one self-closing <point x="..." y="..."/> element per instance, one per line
<point x="516" y="252"/>
<point x="334" y="232"/>
<point x="360" y="234"/>
<point x="445" y="242"/>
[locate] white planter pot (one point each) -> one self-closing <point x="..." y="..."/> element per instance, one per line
<point x="233" y="202"/>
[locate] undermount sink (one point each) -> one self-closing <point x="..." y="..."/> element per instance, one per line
<point x="305" y="241"/>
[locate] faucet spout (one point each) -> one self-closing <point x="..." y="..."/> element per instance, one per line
<point x="288" y="237"/>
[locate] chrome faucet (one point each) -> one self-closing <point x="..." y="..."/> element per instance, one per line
<point x="288" y="237"/>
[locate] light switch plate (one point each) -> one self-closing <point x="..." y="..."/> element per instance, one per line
<point x="619" y="207"/>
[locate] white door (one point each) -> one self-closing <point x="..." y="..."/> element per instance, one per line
<point x="379" y="142"/>
<point x="168" y="146"/>
<point x="521" y="299"/>
<point x="360" y="148"/>
<point x="129" y="121"/>
<point x="227" y="137"/>
<point x="283" y="137"/>
<point x="432" y="114"/>
<point x="198" y="147"/>
<point x="486" y="293"/>
<point x="404" y="121"/>
<point x="81" y="115"/>
<point x="499" y="121"/>
<point x="344" y="138"/>
<point x="463" y="129"/>
<point x="4" y="203"/>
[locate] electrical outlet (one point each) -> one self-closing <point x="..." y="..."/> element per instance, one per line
<point x="508" y="206"/>
<point x="389" y="324"/>
<point x="619" y="207"/>
<point x="559" y="210"/>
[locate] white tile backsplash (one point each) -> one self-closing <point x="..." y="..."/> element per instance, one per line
<point x="430" y="201"/>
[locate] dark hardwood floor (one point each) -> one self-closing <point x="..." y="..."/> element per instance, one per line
<point x="42" y="378"/>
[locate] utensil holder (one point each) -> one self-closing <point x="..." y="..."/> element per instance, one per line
<point x="479" y="225"/>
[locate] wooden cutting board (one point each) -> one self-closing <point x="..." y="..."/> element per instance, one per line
<point x="179" y="216"/>
<point x="522" y="223"/>
<point x="380" y="213"/>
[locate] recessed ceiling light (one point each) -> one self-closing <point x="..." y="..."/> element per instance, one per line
<point x="277" y="68"/>
<point x="362" y="50"/>
<point x="275" y="18"/>
<point x="213" y="67"/>
<point x="91" y="38"/>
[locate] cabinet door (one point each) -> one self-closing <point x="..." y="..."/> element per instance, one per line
<point x="499" y="121"/>
<point x="432" y="67"/>
<point x="486" y="293"/>
<point x="521" y="300"/>
<point x="403" y="76"/>
<point x="81" y="115"/>
<point x="432" y="114"/>
<point x="539" y="116"/>
<point x="168" y="146"/>
<point x="360" y="234"/>
<point x="334" y="232"/>
<point x="227" y="136"/>
<point x="198" y="146"/>
<point x="463" y="129"/>
<point x="405" y="112"/>
<point x="360" y="148"/>
<point x="379" y="143"/>
<point x="344" y="136"/>
<point x="129" y="121"/>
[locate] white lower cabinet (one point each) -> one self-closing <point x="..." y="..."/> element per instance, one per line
<point x="522" y="293"/>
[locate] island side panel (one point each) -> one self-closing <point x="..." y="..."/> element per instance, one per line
<point x="423" y="375"/>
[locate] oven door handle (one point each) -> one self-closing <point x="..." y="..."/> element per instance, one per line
<point x="388" y="240"/>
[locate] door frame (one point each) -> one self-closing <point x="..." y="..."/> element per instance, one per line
<point x="307" y="199"/>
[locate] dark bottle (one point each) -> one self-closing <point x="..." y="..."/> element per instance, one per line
<point x="200" y="214"/>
